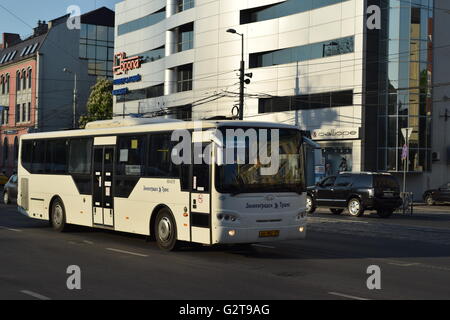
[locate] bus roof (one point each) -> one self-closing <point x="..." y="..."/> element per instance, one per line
<point x="148" y="126"/>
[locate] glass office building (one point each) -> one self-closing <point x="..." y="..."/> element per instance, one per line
<point x="97" y="41"/>
<point x="405" y="84"/>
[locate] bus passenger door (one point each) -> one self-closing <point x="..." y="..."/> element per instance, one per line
<point x="103" y="178"/>
<point x="200" y="217"/>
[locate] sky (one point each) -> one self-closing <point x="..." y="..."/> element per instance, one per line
<point x="30" y="11"/>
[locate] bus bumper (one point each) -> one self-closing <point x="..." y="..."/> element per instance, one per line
<point x="229" y="235"/>
<point x="23" y="211"/>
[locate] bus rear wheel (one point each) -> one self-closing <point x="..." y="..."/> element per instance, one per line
<point x="166" y="230"/>
<point x="58" y="216"/>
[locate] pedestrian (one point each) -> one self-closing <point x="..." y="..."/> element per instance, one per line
<point x="343" y="167"/>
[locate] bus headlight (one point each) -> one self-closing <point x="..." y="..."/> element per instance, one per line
<point x="232" y="233"/>
<point x="301" y="229"/>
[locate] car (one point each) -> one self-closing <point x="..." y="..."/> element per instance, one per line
<point x="356" y="192"/>
<point x="10" y="190"/>
<point x="442" y="194"/>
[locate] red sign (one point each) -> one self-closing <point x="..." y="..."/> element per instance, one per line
<point x="123" y="64"/>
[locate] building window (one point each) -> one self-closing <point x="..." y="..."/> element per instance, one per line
<point x="142" y="94"/>
<point x="97" y="45"/>
<point x="5" y="116"/>
<point x="18" y="81"/>
<point x="185" y="37"/>
<point x="183" y="5"/>
<point x="24" y="113"/>
<point x="18" y="107"/>
<point x="142" y="23"/>
<point x="305" y="102"/>
<point x="5" y="84"/>
<point x="30" y="78"/>
<point x="28" y="119"/>
<point x="24" y="80"/>
<point x="3" y="81"/>
<point x="302" y="53"/>
<point x="184" y="78"/>
<point x="283" y="9"/>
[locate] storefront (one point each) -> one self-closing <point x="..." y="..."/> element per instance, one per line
<point x="341" y="150"/>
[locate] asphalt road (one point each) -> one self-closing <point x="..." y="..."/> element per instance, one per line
<point x="412" y="252"/>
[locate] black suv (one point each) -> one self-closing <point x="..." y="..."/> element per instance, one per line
<point x="356" y="192"/>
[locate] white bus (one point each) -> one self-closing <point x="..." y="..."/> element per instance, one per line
<point x="120" y="175"/>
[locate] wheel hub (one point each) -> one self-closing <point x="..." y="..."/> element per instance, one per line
<point x="164" y="229"/>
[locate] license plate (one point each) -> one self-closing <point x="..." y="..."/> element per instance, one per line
<point x="269" y="234"/>
<point x="388" y="195"/>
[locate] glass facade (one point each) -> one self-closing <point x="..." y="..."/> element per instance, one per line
<point x="183" y="5"/>
<point x="405" y="79"/>
<point x="142" y="23"/>
<point x="302" y="53"/>
<point x="283" y="9"/>
<point x="97" y="45"/>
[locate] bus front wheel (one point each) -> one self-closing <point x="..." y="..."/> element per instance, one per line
<point x="58" y="216"/>
<point x="165" y="230"/>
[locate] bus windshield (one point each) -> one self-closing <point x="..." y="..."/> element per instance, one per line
<point x="248" y="178"/>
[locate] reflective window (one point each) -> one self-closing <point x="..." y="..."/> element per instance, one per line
<point x="302" y="53"/>
<point x="142" y="23"/>
<point x="131" y="158"/>
<point x="80" y="156"/>
<point x="160" y="162"/>
<point x="183" y="5"/>
<point x="184" y="78"/>
<point x="283" y="9"/>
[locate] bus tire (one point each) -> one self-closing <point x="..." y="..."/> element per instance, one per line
<point x="58" y="216"/>
<point x="166" y="230"/>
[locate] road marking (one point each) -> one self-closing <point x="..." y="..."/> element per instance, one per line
<point x="88" y="242"/>
<point x="262" y="246"/>
<point x="403" y="264"/>
<point x="347" y="296"/>
<point x="127" y="252"/>
<point x="10" y="229"/>
<point x="35" y="295"/>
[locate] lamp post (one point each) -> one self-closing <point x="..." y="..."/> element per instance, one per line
<point x="74" y="122"/>
<point x="241" y="77"/>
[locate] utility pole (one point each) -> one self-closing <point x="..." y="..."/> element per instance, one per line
<point x="75" y="94"/>
<point x="242" y="75"/>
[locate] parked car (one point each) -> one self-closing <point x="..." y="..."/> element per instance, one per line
<point x="442" y="194"/>
<point x="356" y="192"/>
<point x="10" y="190"/>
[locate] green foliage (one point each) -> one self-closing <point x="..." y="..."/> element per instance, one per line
<point x="100" y="103"/>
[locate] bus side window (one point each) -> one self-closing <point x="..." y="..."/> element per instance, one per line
<point x="27" y="147"/>
<point x="160" y="164"/>
<point x="38" y="163"/>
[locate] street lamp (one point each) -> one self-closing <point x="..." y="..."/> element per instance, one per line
<point x="241" y="77"/>
<point x="74" y="124"/>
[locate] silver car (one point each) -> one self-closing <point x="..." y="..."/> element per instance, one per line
<point x="10" y="190"/>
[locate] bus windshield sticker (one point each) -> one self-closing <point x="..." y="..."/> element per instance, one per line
<point x="124" y="155"/>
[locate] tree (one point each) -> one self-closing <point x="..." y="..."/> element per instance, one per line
<point x="100" y="103"/>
